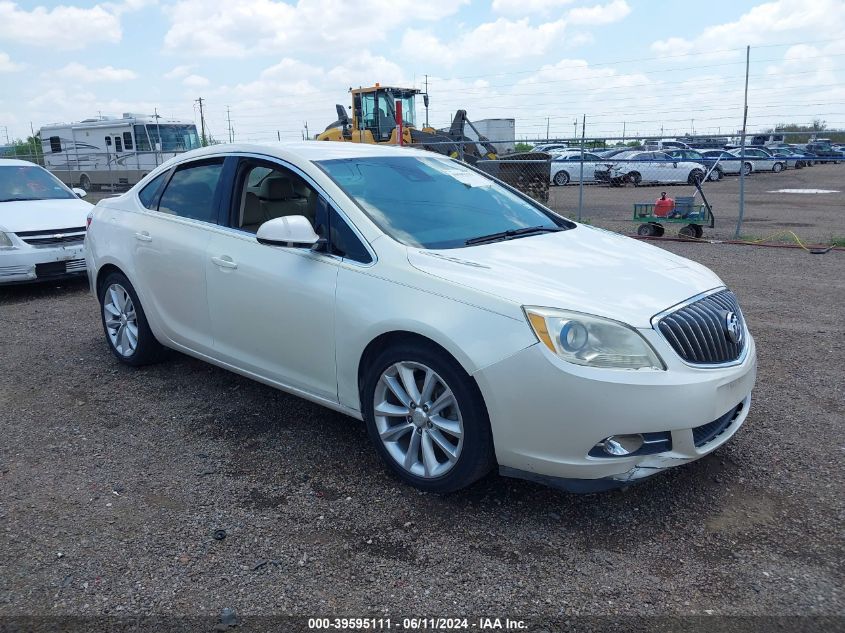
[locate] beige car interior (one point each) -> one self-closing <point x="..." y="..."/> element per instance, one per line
<point x="269" y="194"/>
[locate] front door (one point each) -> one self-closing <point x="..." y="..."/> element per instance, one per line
<point x="272" y="308"/>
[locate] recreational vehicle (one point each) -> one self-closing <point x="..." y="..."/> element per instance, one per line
<point x="111" y="152"/>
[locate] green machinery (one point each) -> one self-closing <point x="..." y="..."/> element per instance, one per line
<point x="693" y="216"/>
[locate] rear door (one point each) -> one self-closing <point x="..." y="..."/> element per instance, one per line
<point x="170" y="243"/>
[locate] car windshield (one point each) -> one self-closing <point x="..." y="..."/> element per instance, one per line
<point x="434" y="202"/>
<point x="31" y="183"/>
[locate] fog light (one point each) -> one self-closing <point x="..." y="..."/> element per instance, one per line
<point x="621" y="445"/>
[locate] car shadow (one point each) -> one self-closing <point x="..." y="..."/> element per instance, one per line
<point x="39" y="290"/>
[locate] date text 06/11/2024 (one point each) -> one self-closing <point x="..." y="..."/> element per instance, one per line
<point x="417" y="624"/>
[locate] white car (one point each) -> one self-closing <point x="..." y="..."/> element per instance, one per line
<point x="466" y="324"/>
<point x="42" y="224"/>
<point x="642" y="168"/>
<point x="566" y="167"/>
<point x="759" y="160"/>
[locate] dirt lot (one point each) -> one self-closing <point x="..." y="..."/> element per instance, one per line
<point x="113" y="482"/>
<point x="816" y="217"/>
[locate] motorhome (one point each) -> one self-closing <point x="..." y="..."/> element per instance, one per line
<point x="114" y="153"/>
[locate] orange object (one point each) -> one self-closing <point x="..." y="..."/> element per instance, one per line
<point x="664" y="206"/>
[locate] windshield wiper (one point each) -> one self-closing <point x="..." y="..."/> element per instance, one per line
<point x="512" y="233"/>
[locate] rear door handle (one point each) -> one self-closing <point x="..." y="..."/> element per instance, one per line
<point x="224" y="262"/>
<point x="143" y="237"/>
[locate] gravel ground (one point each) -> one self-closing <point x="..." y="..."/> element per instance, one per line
<point x="814" y="217"/>
<point x="113" y="482"/>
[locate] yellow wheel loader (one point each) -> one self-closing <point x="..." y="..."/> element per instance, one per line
<point x="374" y="120"/>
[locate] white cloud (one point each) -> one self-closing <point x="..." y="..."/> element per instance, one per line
<point x="79" y="72"/>
<point x="510" y="39"/>
<point x="63" y="27"/>
<point x="178" y="72"/>
<point x="523" y="7"/>
<point x="236" y="28"/>
<point x="767" y="23"/>
<point x="196" y="81"/>
<point x="7" y="65"/>
<point x="600" y="13"/>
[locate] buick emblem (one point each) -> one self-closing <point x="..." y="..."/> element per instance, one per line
<point x="733" y="330"/>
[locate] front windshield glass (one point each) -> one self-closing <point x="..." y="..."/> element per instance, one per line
<point x="433" y="202"/>
<point x="174" y="138"/>
<point x="31" y="183"/>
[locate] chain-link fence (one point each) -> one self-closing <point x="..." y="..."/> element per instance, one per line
<point x="785" y="184"/>
<point x="710" y="189"/>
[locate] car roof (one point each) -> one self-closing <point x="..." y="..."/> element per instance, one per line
<point x="309" y="150"/>
<point x="15" y="162"/>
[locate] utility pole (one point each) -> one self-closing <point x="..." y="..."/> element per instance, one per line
<point x="229" y="121"/>
<point x="575" y="127"/>
<point x="742" y="148"/>
<point x="278" y="135"/>
<point x="547" y="128"/>
<point x="623" y="132"/>
<point x="6" y="128"/>
<point x="203" y="141"/>
<point x="307" y="134"/>
<point x="425" y="100"/>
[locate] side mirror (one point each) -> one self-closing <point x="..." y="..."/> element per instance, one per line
<point x="80" y="193"/>
<point x="675" y="165"/>
<point x="289" y="230"/>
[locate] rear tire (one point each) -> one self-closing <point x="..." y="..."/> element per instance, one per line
<point x="715" y="175"/>
<point x="777" y="168"/>
<point x="695" y="176"/>
<point x="125" y="325"/>
<point x="634" y="178"/>
<point x="436" y="452"/>
<point x="747" y="168"/>
<point x="687" y="231"/>
<point x="561" y="178"/>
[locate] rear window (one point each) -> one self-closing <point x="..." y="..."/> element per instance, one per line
<point x="190" y="192"/>
<point x="149" y="194"/>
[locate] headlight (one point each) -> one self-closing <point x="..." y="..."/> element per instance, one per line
<point x="5" y="241"/>
<point x="592" y="341"/>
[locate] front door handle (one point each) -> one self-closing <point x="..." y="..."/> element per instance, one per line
<point x="143" y="237"/>
<point x="224" y="262"/>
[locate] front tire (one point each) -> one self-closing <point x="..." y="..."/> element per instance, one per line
<point x="777" y="168"/>
<point x="695" y="177"/>
<point x="427" y="419"/>
<point x="127" y="331"/>
<point x="634" y="178"/>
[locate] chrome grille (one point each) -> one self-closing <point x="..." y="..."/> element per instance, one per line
<point x="698" y="331"/>
<point x="55" y="237"/>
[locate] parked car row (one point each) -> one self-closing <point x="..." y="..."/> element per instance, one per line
<point x="636" y="166"/>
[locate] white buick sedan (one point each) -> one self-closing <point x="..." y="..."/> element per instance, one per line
<point x="42" y="224"/>
<point x="467" y="325"/>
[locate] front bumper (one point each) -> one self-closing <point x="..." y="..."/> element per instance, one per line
<point x="546" y="414"/>
<point x="29" y="263"/>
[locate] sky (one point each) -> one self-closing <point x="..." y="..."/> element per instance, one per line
<point x="638" y="67"/>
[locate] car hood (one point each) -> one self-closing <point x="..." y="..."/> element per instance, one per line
<point x="38" y="215"/>
<point x="584" y="269"/>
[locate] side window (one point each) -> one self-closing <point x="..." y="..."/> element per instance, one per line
<point x="108" y="141"/>
<point x="55" y="144"/>
<point x="127" y="140"/>
<point x="343" y="241"/>
<point x="118" y="146"/>
<point x="148" y="195"/>
<point x="266" y="191"/>
<point x="190" y="193"/>
<point x="142" y="143"/>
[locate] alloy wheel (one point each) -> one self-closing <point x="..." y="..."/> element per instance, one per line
<point x="418" y="419"/>
<point x="121" y="319"/>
